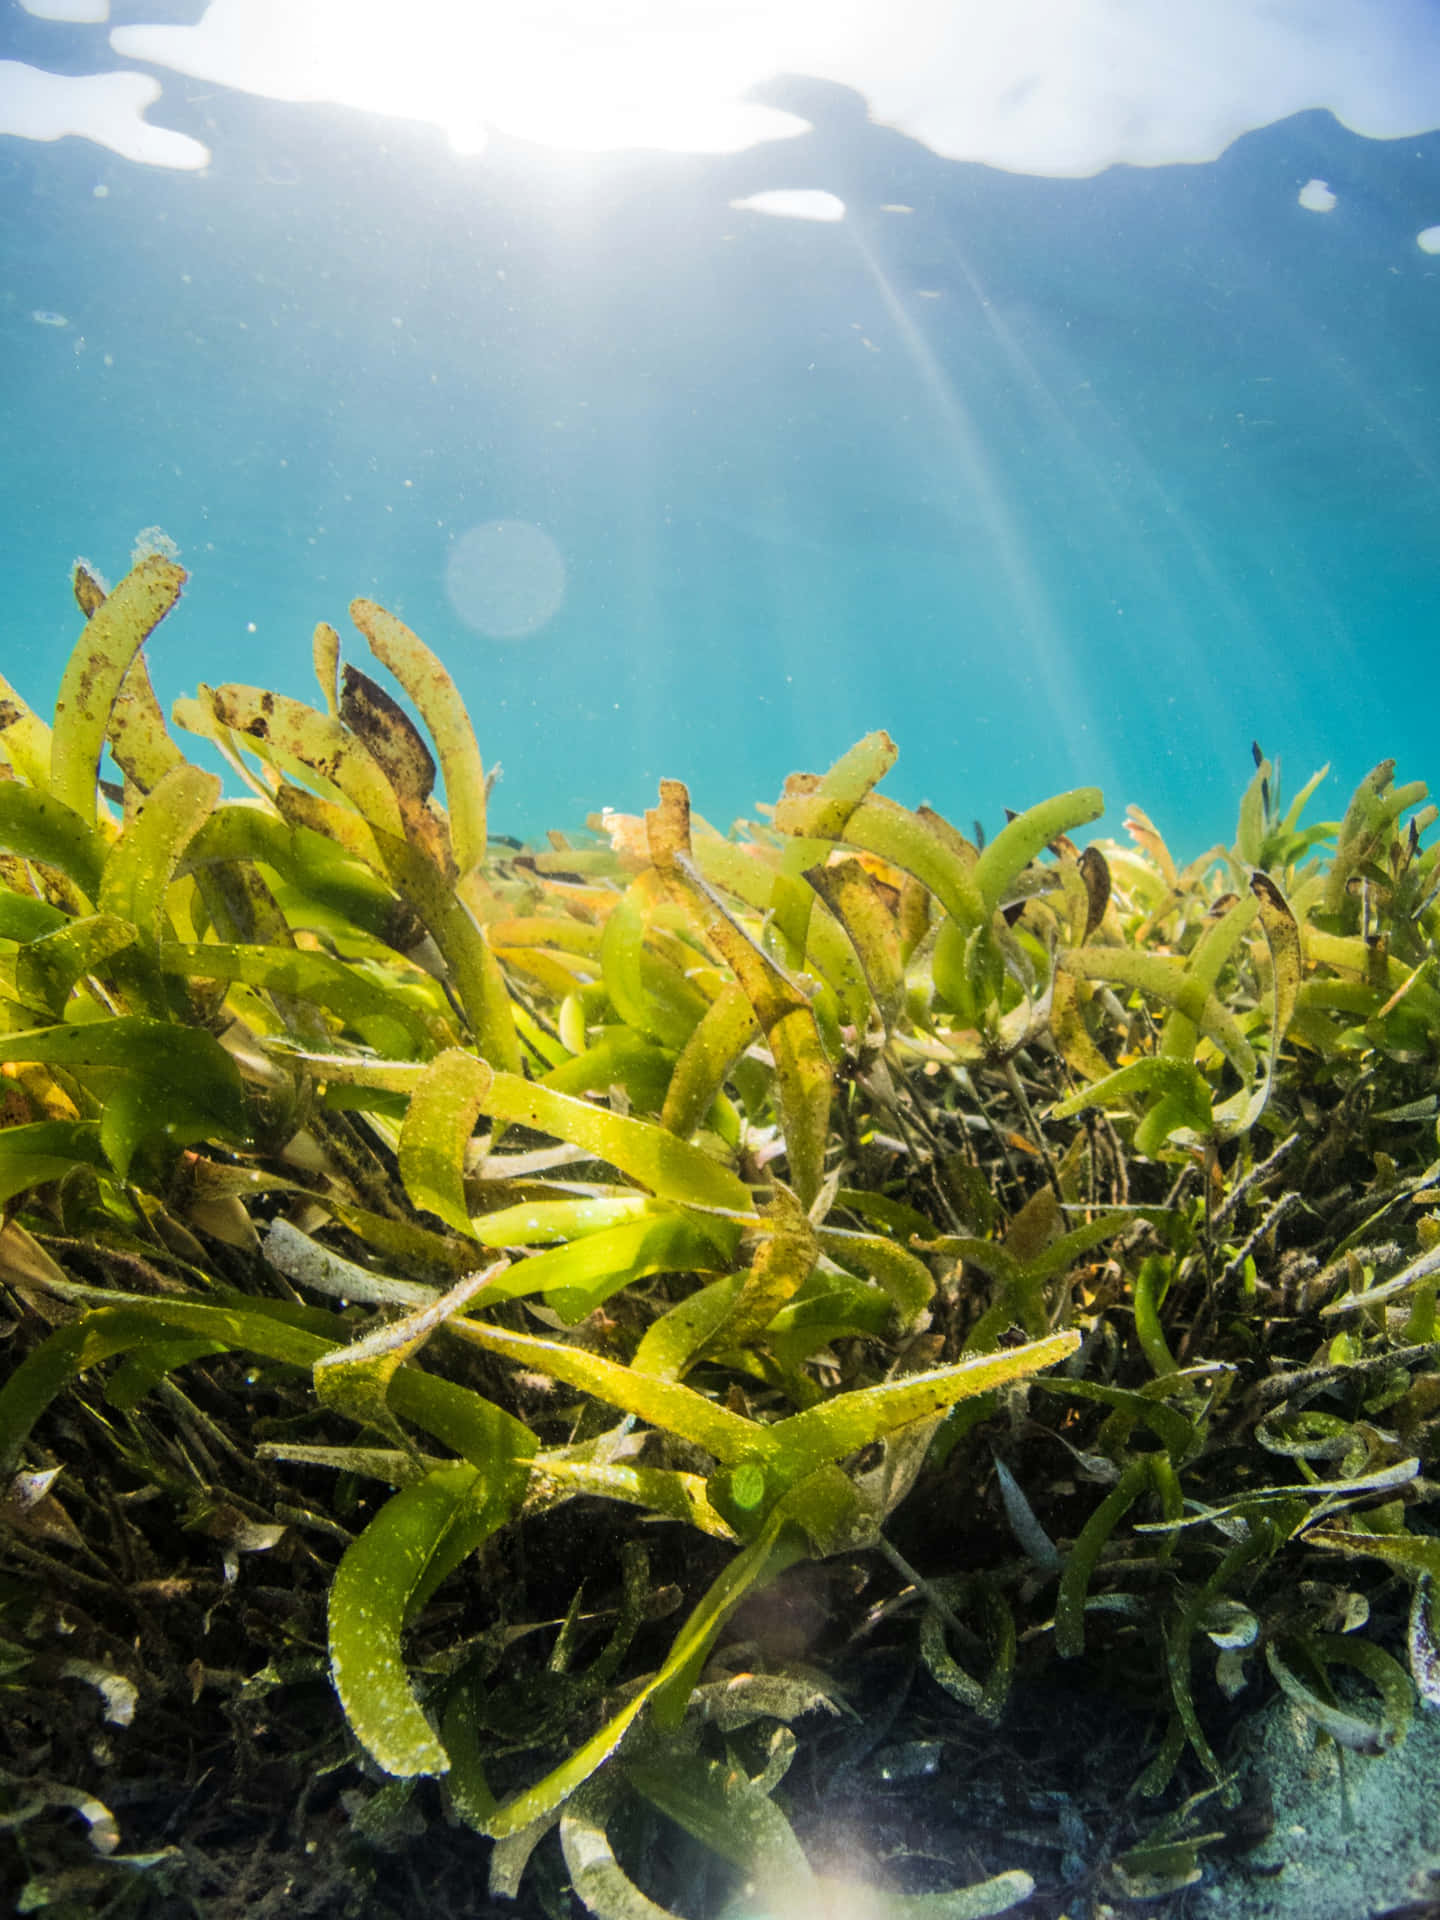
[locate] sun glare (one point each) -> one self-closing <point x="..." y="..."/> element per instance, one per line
<point x="567" y="75"/>
<point x="1059" y="87"/>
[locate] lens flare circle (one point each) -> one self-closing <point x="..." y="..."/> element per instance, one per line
<point x="505" y="579"/>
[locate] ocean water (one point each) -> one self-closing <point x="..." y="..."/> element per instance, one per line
<point x="1059" y="477"/>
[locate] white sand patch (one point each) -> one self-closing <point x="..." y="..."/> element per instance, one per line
<point x="1354" y="1836"/>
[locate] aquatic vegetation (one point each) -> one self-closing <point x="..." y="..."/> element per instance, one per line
<point x="1043" y="1235"/>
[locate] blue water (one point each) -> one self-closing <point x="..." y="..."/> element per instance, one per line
<point x="1060" y="481"/>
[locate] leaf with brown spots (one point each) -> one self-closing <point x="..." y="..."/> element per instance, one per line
<point x="443" y="711"/>
<point x="803" y="1077"/>
<point x="859" y="903"/>
<point x="139" y="739"/>
<point x="289" y="733"/>
<point x="392" y="737"/>
<point x="325" y="655"/>
<point x="115" y="634"/>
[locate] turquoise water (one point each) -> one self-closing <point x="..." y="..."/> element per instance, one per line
<point x="1059" y="480"/>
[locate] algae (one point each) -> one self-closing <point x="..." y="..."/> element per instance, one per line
<point x="1029" y="1249"/>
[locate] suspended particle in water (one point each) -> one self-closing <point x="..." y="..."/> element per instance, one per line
<point x="151" y="540"/>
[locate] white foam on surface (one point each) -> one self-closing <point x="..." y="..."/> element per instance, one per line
<point x="1068" y="87"/>
<point x="88" y="13"/>
<point x="793" y="203"/>
<point x="665" y="74"/>
<point x="108" y="108"/>
<point x="1055" y="87"/>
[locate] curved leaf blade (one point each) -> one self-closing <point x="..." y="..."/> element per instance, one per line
<point x="353" y="996"/>
<point x="143" y="861"/>
<point x="274" y="722"/>
<point x="724" y="1032"/>
<point x="840" y="1426"/>
<point x="37" y="826"/>
<point x="436" y="1132"/>
<point x="668" y="1166"/>
<point x="46" y="969"/>
<point x="178" y="1080"/>
<point x="676" y="1409"/>
<point x="44" y="1150"/>
<point x="1018" y="843"/>
<point x="776" y="1547"/>
<point x="429" y="685"/>
<point x="113" y="635"/>
<point x="418" y="1536"/>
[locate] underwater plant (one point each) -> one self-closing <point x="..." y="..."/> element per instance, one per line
<point x="375" y="1191"/>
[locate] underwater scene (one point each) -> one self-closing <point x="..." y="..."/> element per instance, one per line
<point x="719" y="959"/>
